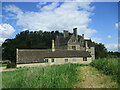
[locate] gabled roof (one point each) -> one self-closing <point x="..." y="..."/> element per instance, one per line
<point x="37" y="55"/>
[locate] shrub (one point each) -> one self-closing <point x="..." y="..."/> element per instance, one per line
<point x="11" y="65"/>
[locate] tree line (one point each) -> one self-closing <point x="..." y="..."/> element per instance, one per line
<point x="42" y="40"/>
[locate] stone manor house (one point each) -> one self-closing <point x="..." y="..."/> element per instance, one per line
<point x="65" y="49"/>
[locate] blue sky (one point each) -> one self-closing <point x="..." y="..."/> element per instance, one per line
<point x="97" y="20"/>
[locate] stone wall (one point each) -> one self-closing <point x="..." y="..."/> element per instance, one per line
<point x="70" y="60"/>
<point x="91" y="50"/>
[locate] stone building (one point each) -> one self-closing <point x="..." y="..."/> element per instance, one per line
<point x="66" y="49"/>
<point x="74" y="42"/>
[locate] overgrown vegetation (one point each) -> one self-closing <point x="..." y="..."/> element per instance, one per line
<point x="11" y="65"/>
<point x="108" y="66"/>
<point x="55" y="76"/>
<point x="3" y="65"/>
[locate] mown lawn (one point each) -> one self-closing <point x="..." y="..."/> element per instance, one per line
<point x="55" y="76"/>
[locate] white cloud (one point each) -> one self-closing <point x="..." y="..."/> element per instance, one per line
<point x="118" y="25"/>
<point x="50" y="7"/>
<point x="40" y="4"/>
<point x="112" y="47"/>
<point x="14" y="9"/>
<point x="0" y="16"/>
<point x="2" y="40"/>
<point x="56" y="17"/>
<point x="6" y="30"/>
<point x="96" y="39"/>
<point x="109" y="36"/>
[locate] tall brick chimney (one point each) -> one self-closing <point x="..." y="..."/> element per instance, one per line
<point x="83" y="35"/>
<point x="53" y="46"/>
<point x="75" y="31"/>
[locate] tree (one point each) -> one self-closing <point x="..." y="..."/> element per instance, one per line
<point x="100" y="51"/>
<point x="27" y="39"/>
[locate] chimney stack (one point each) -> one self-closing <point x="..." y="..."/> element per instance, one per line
<point x="75" y="31"/>
<point x="53" y="46"/>
<point x="66" y="34"/>
<point x="86" y="45"/>
<point x="83" y="35"/>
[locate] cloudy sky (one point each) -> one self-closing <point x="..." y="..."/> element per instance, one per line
<point x="97" y="20"/>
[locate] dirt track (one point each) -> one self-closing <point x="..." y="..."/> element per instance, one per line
<point x="90" y="77"/>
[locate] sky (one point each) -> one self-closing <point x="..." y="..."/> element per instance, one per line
<point x="96" y="20"/>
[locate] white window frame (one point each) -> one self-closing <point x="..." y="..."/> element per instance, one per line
<point x="74" y="60"/>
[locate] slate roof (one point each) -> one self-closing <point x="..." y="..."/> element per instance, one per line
<point x="37" y="55"/>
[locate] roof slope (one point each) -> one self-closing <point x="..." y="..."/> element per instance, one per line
<point x="31" y="55"/>
<point x="61" y="41"/>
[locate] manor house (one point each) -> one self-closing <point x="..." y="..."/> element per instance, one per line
<point x="69" y="48"/>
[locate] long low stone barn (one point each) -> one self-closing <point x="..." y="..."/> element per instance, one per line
<point x="49" y="56"/>
<point x="69" y="48"/>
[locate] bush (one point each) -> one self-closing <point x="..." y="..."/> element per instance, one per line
<point x="11" y="65"/>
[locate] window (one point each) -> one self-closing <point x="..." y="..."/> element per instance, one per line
<point x="45" y="60"/>
<point x="73" y="60"/>
<point x="52" y="60"/>
<point x="73" y="47"/>
<point x="66" y="60"/>
<point x="84" y="58"/>
<point x="73" y="40"/>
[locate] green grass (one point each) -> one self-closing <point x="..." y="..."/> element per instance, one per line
<point x="3" y="65"/>
<point x="108" y="66"/>
<point x="55" y="76"/>
<point x="59" y="76"/>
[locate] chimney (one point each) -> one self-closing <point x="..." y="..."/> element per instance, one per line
<point x="75" y="31"/>
<point x="66" y="34"/>
<point x="17" y="55"/>
<point x="53" y="46"/>
<point x="83" y="35"/>
<point x="86" y="44"/>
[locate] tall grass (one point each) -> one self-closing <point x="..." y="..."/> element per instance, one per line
<point x="55" y="76"/>
<point x="108" y="66"/>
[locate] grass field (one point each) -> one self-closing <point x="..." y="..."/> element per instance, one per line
<point x="63" y="76"/>
<point x="55" y="76"/>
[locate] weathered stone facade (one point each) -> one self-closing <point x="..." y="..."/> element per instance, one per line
<point x="59" y="56"/>
<point x="75" y="42"/>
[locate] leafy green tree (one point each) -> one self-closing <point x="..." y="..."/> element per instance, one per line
<point x="100" y="51"/>
<point x="27" y="39"/>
